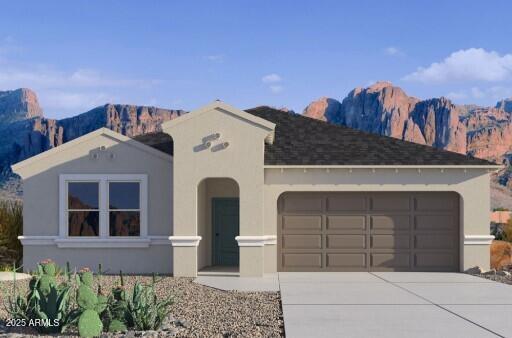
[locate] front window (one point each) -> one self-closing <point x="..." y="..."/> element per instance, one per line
<point x="83" y="209"/>
<point x="103" y="205"/>
<point x="124" y="208"/>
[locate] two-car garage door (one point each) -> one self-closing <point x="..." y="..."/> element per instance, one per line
<point x="391" y="231"/>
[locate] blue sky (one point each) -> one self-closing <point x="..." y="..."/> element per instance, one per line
<point x="183" y="54"/>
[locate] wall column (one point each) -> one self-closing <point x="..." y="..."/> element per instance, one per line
<point x="184" y="255"/>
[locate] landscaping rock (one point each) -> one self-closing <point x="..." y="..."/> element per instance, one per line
<point x="503" y="273"/>
<point x="198" y="311"/>
<point x="476" y="270"/>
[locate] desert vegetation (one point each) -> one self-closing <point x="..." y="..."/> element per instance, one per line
<point x="59" y="300"/>
<point x="11" y="226"/>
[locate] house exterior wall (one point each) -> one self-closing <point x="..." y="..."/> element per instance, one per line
<point x="41" y="207"/>
<point x="472" y="185"/>
<point x="241" y="161"/>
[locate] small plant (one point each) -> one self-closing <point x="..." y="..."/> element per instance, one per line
<point x="118" y="312"/>
<point x="11" y="225"/>
<point x="47" y="302"/>
<point x="146" y="311"/>
<point x="91" y="305"/>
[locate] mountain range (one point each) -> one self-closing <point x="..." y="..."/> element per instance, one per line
<point x="381" y="108"/>
<point x="484" y="132"/>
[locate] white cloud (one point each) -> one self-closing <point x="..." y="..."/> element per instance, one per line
<point x="477" y="93"/>
<point x="62" y="91"/>
<point x="215" y="58"/>
<point x="458" y="95"/>
<point x="33" y="75"/>
<point x="276" y="88"/>
<point x="393" y="51"/>
<point x="474" y="64"/>
<point x="74" y="100"/>
<point x="489" y="94"/>
<point x="271" y="78"/>
<point x="273" y="81"/>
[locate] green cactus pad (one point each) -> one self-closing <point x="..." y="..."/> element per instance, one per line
<point x="117" y="326"/>
<point x="86" y="298"/>
<point x="49" y="269"/>
<point x="89" y="324"/>
<point x="45" y="284"/>
<point x="87" y="278"/>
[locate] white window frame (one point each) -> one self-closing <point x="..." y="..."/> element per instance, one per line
<point x="103" y="181"/>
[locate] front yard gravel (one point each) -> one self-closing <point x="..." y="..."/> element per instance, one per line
<point x="201" y="311"/>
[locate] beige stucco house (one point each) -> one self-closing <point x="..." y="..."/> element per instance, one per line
<point x="259" y="191"/>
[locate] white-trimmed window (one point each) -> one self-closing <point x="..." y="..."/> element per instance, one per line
<point x="103" y="206"/>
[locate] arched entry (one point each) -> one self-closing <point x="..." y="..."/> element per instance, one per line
<point x="218" y="223"/>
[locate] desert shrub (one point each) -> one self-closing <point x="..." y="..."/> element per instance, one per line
<point x="11" y="226"/>
<point x="146" y="311"/>
<point x="505" y="233"/>
<point x="46" y="302"/>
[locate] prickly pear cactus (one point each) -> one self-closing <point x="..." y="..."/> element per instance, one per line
<point x="47" y="273"/>
<point x="89" y="324"/>
<point x="91" y="306"/>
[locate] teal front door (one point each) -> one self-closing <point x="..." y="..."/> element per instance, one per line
<point x="226" y="224"/>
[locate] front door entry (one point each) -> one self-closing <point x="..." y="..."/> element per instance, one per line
<point x="226" y="224"/>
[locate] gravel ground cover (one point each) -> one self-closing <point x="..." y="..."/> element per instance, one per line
<point x="496" y="278"/>
<point x="198" y="311"/>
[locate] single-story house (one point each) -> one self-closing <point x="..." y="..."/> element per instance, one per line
<point x="261" y="190"/>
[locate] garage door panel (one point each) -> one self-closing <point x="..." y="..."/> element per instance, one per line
<point x="306" y="203"/>
<point x="350" y="222"/>
<point x="346" y="202"/>
<point x="435" y="222"/>
<point x="435" y="241"/>
<point x="436" y="260"/>
<point x="346" y="260"/>
<point x="302" y="242"/>
<point x="375" y="231"/>
<point x="302" y="260"/>
<point x="390" y="260"/>
<point x="346" y="241"/>
<point x="390" y="222"/>
<point x="390" y="202"/>
<point x="302" y="222"/>
<point x="390" y="241"/>
<point x="433" y="202"/>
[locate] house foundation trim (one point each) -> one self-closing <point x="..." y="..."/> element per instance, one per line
<point x="185" y="240"/>
<point x="478" y="239"/>
<point x="256" y="240"/>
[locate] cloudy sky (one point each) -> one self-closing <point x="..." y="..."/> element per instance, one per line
<point x="183" y="54"/>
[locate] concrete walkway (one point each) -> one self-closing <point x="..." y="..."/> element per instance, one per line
<point x="353" y="304"/>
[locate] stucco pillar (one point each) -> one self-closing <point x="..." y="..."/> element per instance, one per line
<point x="185" y="255"/>
<point x="251" y="261"/>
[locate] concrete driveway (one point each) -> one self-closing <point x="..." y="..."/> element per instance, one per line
<point x="394" y="304"/>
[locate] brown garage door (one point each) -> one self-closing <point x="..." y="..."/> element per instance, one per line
<point x="368" y="231"/>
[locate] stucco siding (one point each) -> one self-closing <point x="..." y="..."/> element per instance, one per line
<point x="240" y="160"/>
<point x="41" y="198"/>
<point x="157" y="258"/>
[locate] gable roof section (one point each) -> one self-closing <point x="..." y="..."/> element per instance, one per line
<point x="303" y="141"/>
<point x="47" y="155"/>
<point x="228" y="109"/>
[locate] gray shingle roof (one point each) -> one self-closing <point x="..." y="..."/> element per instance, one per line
<point x="300" y="140"/>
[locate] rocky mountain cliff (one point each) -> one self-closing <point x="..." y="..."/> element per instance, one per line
<point x="25" y="132"/>
<point x="382" y="108"/>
